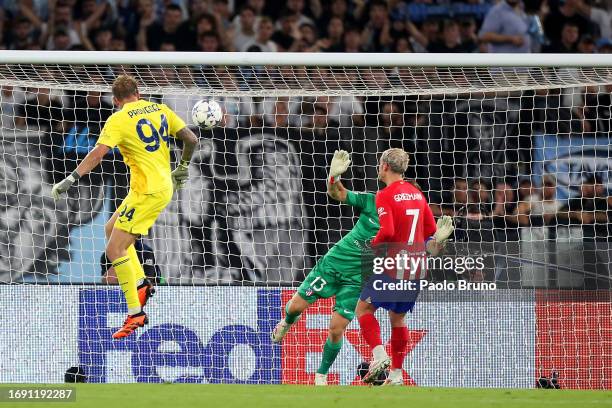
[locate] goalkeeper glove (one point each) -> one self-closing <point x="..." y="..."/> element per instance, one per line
<point x="444" y="229"/>
<point x="63" y="186"/>
<point x="339" y="164"/>
<point x="180" y="175"/>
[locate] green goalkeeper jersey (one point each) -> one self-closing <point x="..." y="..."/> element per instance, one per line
<point x="348" y="254"/>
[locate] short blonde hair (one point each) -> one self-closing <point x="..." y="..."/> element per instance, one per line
<point x="125" y="86"/>
<point x="397" y="160"/>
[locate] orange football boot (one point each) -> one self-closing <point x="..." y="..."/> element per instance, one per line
<point x="131" y="324"/>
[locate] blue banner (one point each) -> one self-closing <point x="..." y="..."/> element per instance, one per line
<point x="571" y="160"/>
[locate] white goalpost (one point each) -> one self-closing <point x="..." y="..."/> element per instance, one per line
<point x="516" y="148"/>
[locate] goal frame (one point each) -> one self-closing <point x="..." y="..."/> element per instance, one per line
<point x="306" y="59"/>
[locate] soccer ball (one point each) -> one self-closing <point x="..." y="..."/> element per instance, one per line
<point x="207" y="114"/>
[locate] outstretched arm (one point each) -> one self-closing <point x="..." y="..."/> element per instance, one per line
<point x="190" y="141"/>
<point x="338" y="166"/>
<point x="89" y="163"/>
<point x="181" y="173"/>
<point x="337" y="191"/>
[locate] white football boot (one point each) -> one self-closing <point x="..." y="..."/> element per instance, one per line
<point x="395" y="377"/>
<point x="379" y="364"/>
<point x="281" y="329"/>
<point x="320" y="379"/>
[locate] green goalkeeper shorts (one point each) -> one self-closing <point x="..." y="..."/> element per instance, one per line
<point x="325" y="280"/>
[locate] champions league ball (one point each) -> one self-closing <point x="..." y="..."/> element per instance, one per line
<point x="207" y="114"/>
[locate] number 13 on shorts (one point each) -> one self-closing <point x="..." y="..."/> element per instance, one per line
<point x="318" y="283"/>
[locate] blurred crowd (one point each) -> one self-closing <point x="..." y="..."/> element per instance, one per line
<point x="503" y="206"/>
<point x="559" y="26"/>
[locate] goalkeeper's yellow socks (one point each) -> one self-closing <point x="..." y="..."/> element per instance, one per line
<point x="139" y="274"/>
<point x="330" y="352"/>
<point x="290" y="318"/>
<point x="125" y="275"/>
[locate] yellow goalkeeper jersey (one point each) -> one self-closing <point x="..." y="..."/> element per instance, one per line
<point x="142" y="130"/>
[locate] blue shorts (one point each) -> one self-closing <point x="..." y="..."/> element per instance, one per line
<point x="394" y="301"/>
<point x="396" y="307"/>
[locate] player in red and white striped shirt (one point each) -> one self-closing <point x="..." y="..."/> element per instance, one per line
<point x="406" y="221"/>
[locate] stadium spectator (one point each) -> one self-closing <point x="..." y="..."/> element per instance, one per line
<point x="586" y="44"/>
<point x="568" y="41"/>
<point x="40" y="110"/>
<point x="333" y="38"/>
<point x="505" y="220"/>
<point x="307" y="41"/>
<point x="151" y="33"/>
<point x="459" y="200"/>
<point x="189" y="30"/>
<point x="376" y="34"/>
<point x="10" y="99"/>
<point x="99" y="40"/>
<point x="597" y="110"/>
<point x="60" y="22"/>
<point x="61" y="40"/>
<point x="21" y="35"/>
<point x="197" y="8"/>
<point x="591" y="209"/>
<point x="336" y="9"/>
<point x="133" y="19"/>
<point x="450" y="41"/>
<point x="222" y="12"/>
<point x="279" y="117"/>
<point x="561" y="13"/>
<point x="597" y="15"/>
<point x="544" y="210"/>
<point x="604" y="46"/>
<point x="262" y="41"/>
<point x="244" y="32"/>
<point x="402" y="44"/>
<point x="287" y="33"/>
<point x="118" y="44"/>
<point x="479" y="198"/>
<point x="91" y="110"/>
<point x="296" y="7"/>
<point x="346" y="111"/>
<point x="210" y="42"/>
<point x="352" y="41"/>
<point x="421" y="37"/>
<point x="93" y="14"/>
<point x="505" y="28"/>
<point x="469" y="34"/>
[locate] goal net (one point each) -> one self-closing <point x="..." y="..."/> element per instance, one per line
<point x="519" y="156"/>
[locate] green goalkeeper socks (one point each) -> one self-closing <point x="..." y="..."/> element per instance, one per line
<point x="290" y="318"/>
<point x="330" y="352"/>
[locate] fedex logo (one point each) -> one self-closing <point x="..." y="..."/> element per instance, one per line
<point x="221" y="336"/>
<point x="229" y="353"/>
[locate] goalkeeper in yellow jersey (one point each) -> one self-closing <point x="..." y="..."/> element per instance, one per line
<point x="141" y="129"/>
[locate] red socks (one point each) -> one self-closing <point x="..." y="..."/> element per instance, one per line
<point x="370" y="330"/>
<point x="399" y="341"/>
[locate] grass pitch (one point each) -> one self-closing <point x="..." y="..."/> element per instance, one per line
<point x="289" y="396"/>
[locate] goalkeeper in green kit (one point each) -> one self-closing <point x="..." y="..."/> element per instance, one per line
<point x="338" y="273"/>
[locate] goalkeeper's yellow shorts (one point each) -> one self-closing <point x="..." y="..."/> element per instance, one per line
<point x="138" y="212"/>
